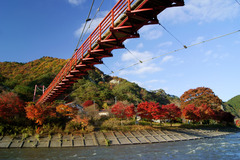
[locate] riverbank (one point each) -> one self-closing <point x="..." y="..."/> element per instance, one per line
<point x="110" y="138"/>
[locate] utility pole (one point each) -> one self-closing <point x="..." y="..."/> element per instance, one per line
<point x="34" y="94"/>
<point x="115" y="99"/>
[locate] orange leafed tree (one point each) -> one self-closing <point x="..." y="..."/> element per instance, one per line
<point x="200" y="96"/>
<point x="65" y="110"/>
<point x="39" y="113"/>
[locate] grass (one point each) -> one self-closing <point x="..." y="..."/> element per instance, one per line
<point x="107" y="142"/>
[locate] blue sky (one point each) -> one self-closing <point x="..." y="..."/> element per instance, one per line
<point x="31" y="29"/>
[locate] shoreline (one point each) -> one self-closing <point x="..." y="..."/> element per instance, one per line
<point x="110" y="138"/>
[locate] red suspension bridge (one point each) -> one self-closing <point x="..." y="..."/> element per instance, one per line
<point x="121" y="23"/>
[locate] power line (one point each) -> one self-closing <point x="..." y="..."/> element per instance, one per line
<point x="177" y="50"/>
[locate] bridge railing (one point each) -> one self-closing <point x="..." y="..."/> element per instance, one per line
<point x="89" y="44"/>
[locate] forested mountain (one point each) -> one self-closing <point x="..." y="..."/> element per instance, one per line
<point x="22" y="77"/>
<point x="105" y="89"/>
<point x="233" y="106"/>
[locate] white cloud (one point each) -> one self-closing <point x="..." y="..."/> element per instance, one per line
<point x="135" y="55"/>
<point x="141" y="68"/>
<point x="89" y="28"/>
<point x="153" y="81"/>
<point x="167" y="58"/>
<point x="138" y="83"/>
<point x="210" y="56"/>
<point x="76" y="2"/>
<point x="199" y="39"/>
<point x="156" y="81"/>
<point x="150" y="32"/>
<point x="139" y="46"/>
<point x="202" y="11"/>
<point x="165" y="44"/>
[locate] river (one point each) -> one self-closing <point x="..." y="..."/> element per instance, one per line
<point x="225" y="147"/>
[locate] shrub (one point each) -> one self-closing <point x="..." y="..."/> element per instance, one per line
<point x="77" y="124"/>
<point x="111" y="124"/>
<point x="66" y="111"/>
<point x="238" y="123"/>
<point x="87" y="103"/>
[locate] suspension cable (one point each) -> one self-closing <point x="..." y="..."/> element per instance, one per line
<point x="237" y="2"/>
<point x="173" y="36"/>
<point x="92" y="19"/>
<point x="88" y="19"/>
<point x="108" y="67"/>
<point x="132" y="54"/>
<point x="177" y="50"/>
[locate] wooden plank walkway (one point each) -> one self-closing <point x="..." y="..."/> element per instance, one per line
<point x="109" y="138"/>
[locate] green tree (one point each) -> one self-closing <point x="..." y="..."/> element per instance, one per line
<point x="233" y="106"/>
<point x="86" y="90"/>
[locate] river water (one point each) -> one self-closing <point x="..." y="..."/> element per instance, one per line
<point x="225" y="147"/>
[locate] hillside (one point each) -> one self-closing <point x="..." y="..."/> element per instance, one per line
<point x="233" y="106"/>
<point x="105" y="89"/>
<point x="22" y="77"/>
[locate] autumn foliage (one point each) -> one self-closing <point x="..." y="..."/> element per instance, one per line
<point x="87" y="103"/>
<point x="238" y="123"/>
<point x="171" y="112"/>
<point x="66" y="111"/>
<point x="224" y="117"/>
<point x="199" y="96"/>
<point x="122" y="110"/>
<point x="39" y="113"/>
<point x="83" y="122"/>
<point x="11" y="106"/>
<point x="189" y="112"/>
<point x="150" y="110"/>
<point x="203" y="112"/>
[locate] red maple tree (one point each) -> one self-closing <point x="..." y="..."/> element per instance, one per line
<point x="122" y="110"/>
<point x="39" y="113"/>
<point x="205" y="112"/>
<point x="171" y="112"/>
<point x="11" y="106"/>
<point x="130" y="111"/>
<point x="189" y="112"/>
<point x="149" y="110"/>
